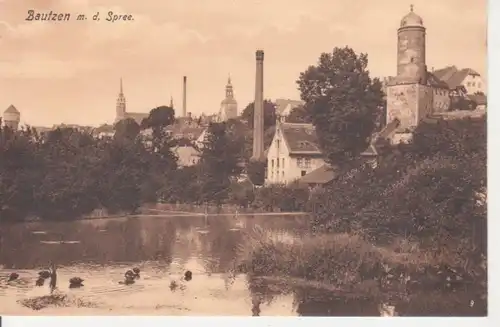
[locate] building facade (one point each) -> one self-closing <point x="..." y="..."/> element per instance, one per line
<point x="285" y="106"/>
<point x="229" y="106"/>
<point x="121" y="109"/>
<point x="11" y="117"/>
<point x="294" y="152"/>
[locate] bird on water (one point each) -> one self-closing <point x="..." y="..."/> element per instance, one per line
<point x="188" y="276"/>
<point x="13" y="276"/>
<point x="75" y="282"/>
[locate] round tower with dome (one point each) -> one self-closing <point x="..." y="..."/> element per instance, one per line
<point x="11" y="117"/>
<point x="411" y="49"/>
<point x="228" y="106"/>
<point x="409" y="98"/>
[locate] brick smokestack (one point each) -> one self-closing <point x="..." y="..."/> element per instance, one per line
<point x="258" y="114"/>
<point x="184" y="85"/>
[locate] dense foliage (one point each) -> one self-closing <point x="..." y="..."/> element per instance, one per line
<point x="342" y="101"/>
<point x="269" y="114"/>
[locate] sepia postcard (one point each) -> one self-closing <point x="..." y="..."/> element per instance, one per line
<point x="243" y="158"/>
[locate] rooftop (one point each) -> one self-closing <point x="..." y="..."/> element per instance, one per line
<point x="300" y="138"/>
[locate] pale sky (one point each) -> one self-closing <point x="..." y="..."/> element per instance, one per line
<point x="68" y="72"/>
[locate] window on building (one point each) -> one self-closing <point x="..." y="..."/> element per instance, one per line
<point x="303" y="173"/>
<point x="299" y="162"/>
<point x="283" y="162"/>
<point x="277" y="163"/>
<point x="283" y="173"/>
<point x="308" y="163"/>
<point x="272" y="163"/>
<point x="469" y="83"/>
<point x="473" y="83"/>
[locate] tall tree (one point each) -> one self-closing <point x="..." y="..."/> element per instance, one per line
<point x="220" y="160"/>
<point x="299" y="115"/>
<point x="269" y="114"/>
<point x="343" y="102"/>
<point x="127" y="128"/>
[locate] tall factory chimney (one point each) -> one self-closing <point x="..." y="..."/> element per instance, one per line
<point x="258" y="114"/>
<point x="184" y="85"/>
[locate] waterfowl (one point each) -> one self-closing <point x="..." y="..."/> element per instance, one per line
<point x="128" y="281"/>
<point x="75" y="282"/>
<point x="44" y="274"/>
<point x="53" y="278"/>
<point x="130" y="274"/>
<point x="137" y="272"/>
<point x="13" y="276"/>
<point x="188" y="275"/>
<point x="40" y="281"/>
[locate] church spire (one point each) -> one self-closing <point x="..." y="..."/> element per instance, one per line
<point x="121" y="104"/>
<point x="229" y="88"/>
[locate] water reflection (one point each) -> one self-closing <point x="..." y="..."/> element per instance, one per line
<point x="100" y="251"/>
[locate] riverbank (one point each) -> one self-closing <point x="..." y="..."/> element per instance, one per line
<point x="340" y="265"/>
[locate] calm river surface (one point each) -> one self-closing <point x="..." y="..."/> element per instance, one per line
<point x="163" y="247"/>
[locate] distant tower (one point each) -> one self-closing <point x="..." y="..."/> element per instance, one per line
<point x="121" y="104"/>
<point x="184" y="96"/>
<point x="228" y="106"/>
<point x="411" y="50"/>
<point x="171" y="102"/>
<point x="409" y="99"/>
<point x="12" y="117"/>
<point x="258" y="115"/>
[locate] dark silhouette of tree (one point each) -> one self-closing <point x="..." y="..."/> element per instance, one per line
<point x="269" y="114"/>
<point x="299" y="115"/>
<point x="127" y="128"/>
<point x="220" y="161"/>
<point x="343" y="102"/>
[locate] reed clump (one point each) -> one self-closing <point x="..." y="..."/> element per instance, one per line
<point x="55" y="300"/>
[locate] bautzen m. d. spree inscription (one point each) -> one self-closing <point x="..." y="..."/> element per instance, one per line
<point x="55" y="16"/>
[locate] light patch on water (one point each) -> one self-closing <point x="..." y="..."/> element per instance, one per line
<point x="204" y="295"/>
<point x="60" y="242"/>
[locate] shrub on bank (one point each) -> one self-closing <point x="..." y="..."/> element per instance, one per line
<point x="430" y="193"/>
<point x="342" y="266"/>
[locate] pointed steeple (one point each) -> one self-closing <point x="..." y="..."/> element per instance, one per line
<point x="121" y="104"/>
<point x="229" y="88"/>
<point x="171" y="102"/>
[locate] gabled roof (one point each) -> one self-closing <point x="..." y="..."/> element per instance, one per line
<point x="104" y="129"/>
<point x="379" y="139"/>
<point x="300" y="138"/>
<point x="282" y="104"/>
<point x="432" y="80"/>
<point x="321" y="175"/>
<point x="11" y="110"/>
<point x="137" y="116"/>
<point x="452" y="76"/>
<point x="191" y="132"/>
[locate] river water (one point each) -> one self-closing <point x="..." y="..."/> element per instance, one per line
<point x="163" y="247"/>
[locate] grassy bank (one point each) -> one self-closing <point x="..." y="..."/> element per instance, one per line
<point x="345" y="266"/>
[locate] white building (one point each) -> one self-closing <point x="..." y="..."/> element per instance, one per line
<point x="293" y="153"/>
